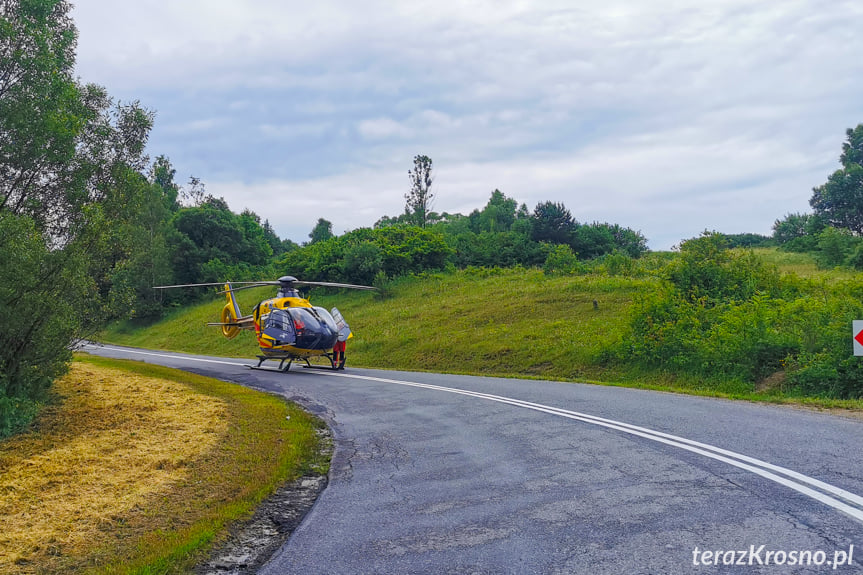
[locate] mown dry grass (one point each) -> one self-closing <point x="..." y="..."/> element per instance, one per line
<point x="140" y="471"/>
<point x="117" y="439"/>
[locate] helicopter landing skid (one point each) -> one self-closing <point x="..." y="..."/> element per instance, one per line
<point x="331" y="367"/>
<point x="282" y="367"/>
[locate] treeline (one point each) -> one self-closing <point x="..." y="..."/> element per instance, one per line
<point x="501" y="234"/>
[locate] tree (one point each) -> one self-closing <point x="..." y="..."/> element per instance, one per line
<point x="552" y="222"/>
<point x="276" y="244"/>
<point x="41" y="107"/>
<point x="144" y="260"/>
<point x="212" y="243"/>
<point x="323" y="230"/>
<point x="839" y="201"/>
<point x="420" y="197"/>
<point x="798" y="232"/>
<point x="70" y="185"/>
<point x="162" y="175"/>
<point x="196" y="193"/>
<point x="498" y="214"/>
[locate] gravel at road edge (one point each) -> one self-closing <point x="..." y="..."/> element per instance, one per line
<point x="250" y="544"/>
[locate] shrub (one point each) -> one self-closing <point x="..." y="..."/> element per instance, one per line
<point x="835" y="247"/>
<point x="561" y="260"/>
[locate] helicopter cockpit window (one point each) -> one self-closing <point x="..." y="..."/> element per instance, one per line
<point x="327" y="318"/>
<point x="279" y="326"/>
<point x="314" y="330"/>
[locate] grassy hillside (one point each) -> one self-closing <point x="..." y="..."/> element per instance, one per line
<point x="513" y="322"/>
<point x="517" y="322"/>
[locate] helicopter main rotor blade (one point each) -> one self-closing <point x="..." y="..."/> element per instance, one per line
<point x="247" y="285"/>
<point x="330" y="284"/>
<point x="253" y="284"/>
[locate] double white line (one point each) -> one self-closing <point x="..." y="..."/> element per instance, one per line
<point x="840" y="499"/>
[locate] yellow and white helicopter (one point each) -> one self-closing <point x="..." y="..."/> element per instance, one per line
<point x="288" y="327"/>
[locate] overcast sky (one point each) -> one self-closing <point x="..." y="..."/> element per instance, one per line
<point x="669" y="117"/>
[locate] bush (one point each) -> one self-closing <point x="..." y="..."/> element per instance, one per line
<point x="618" y="264"/>
<point x="708" y="272"/>
<point x="362" y="263"/>
<point x="597" y="239"/>
<point x="561" y="260"/>
<point x="495" y="249"/>
<point x="836" y="247"/>
<point x="724" y="315"/>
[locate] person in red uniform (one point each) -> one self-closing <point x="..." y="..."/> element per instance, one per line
<point x="339" y="354"/>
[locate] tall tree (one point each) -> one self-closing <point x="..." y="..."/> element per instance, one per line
<point x="420" y="197"/>
<point x="839" y="201"/>
<point x="498" y="214"/>
<point x="552" y="222"/>
<point x="323" y="230"/>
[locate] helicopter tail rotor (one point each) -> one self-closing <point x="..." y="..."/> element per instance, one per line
<point x="230" y="313"/>
<point x="230" y="329"/>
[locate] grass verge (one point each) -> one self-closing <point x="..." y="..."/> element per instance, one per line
<point x="139" y="468"/>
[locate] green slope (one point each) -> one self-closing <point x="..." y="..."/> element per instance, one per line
<point x="504" y="322"/>
<point x="511" y="323"/>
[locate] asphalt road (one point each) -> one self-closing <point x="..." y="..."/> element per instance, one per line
<point x="452" y="474"/>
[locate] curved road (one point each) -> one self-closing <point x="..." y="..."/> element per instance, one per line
<point x="453" y="474"/>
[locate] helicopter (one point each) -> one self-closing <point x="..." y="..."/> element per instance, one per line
<point x="288" y="327"/>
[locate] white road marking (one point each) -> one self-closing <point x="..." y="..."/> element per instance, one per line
<point x="184" y="357"/>
<point x="793" y="480"/>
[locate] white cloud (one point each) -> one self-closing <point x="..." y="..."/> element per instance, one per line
<point x="669" y="117"/>
<point x="382" y="128"/>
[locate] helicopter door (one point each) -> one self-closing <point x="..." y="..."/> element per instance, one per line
<point x="279" y="326"/>
<point x="342" y="325"/>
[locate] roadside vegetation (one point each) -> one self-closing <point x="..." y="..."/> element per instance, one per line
<point x="138" y="469"/>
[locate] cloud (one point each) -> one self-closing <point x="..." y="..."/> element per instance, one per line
<point x="669" y="186"/>
<point x="669" y="117"/>
<point x="382" y="128"/>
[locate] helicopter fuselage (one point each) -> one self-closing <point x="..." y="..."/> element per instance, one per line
<point x="293" y="326"/>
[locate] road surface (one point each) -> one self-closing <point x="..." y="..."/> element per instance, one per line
<point x="453" y="474"/>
